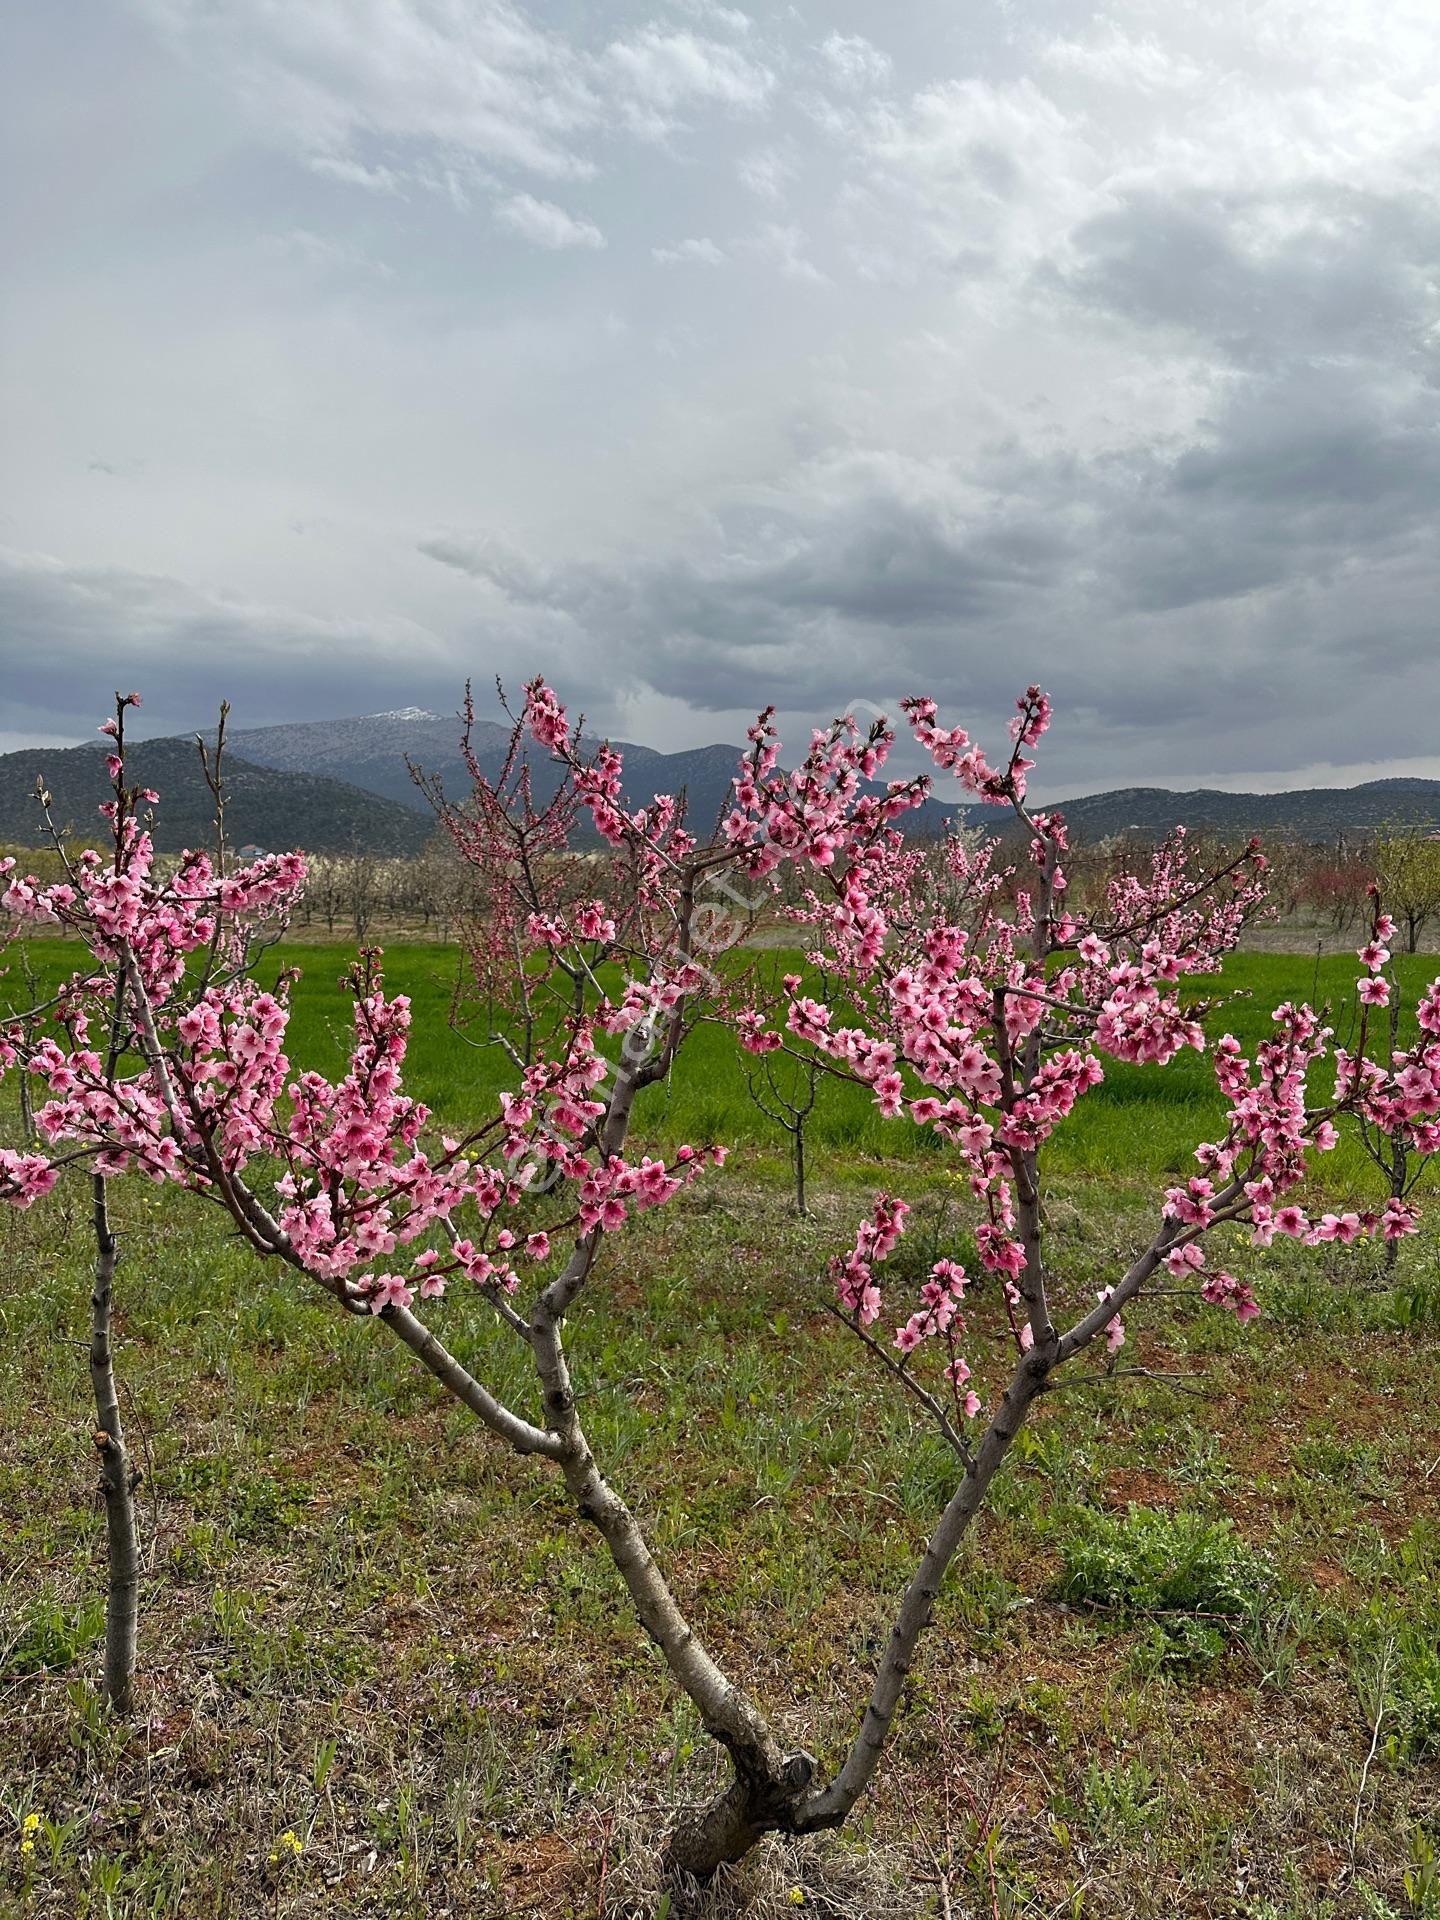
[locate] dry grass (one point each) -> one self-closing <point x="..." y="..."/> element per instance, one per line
<point x="368" y="1626"/>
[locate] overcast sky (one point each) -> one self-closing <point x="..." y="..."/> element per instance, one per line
<point x="703" y="358"/>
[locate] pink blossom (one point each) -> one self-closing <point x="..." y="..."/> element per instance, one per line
<point x="389" y="1290"/>
<point x="975" y="991"/>
<point x="1224" y="1290"/>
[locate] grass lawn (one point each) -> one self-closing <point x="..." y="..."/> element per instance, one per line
<point x="1190" y="1664"/>
<point x="1141" y="1121"/>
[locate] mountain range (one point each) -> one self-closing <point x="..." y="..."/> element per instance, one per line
<point x="334" y="786"/>
<point x="263" y="807"/>
<point x="371" y="751"/>
<point x="1312" y="814"/>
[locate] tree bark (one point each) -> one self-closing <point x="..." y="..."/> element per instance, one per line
<point x="1399" y="1174"/>
<point x="118" y="1479"/>
<point x="768" y="1784"/>
<point x="832" y="1807"/>
<point x="737" y="1819"/>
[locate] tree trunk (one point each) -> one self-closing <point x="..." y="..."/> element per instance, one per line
<point x="738" y="1819"/>
<point x="800" y="1169"/>
<point x="1399" y="1172"/>
<point x="769" y="1799"/>
<point x="118" y="1479"/>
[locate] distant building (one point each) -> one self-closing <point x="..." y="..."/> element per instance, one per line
<point x="247" y="854"/>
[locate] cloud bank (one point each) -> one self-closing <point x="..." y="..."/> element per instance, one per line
<point x="704" y="359"/>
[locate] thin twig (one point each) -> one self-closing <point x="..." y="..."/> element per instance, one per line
<point x="932" y="1406"/>
<point x="1369" y="1759"/>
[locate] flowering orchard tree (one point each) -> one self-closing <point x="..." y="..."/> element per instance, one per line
<point x="142" y="930"/>
<point x="1398" y="1127"/>
<point x="988" y="1025"/>
<point x="192" y="1085"/>
<point x="983" y="1008"/>
<point x="523" y="889"/>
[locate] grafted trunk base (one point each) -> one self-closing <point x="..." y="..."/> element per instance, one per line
<point x="737" y="1820"/>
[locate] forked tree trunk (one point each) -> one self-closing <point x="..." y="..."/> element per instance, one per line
<point x="118" y="1479"/>
<point x="782" y="1799"/>
<point x="738" y="1819"/>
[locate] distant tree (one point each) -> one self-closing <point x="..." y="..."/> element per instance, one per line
<point x="361" y="872"/>
<point x="444" y="886"/>
<point x="1286" y="876"/>
<point x="1407" y="872"/>
<point x="325" y="889"/>
<point x="180" y="931"/>
<point x="786" y="1093"/>
<point x="1336" y="884"/>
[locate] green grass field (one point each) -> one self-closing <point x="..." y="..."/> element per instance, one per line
<point x="1189" y="1666"/>
<point x="1141" y="1121"/>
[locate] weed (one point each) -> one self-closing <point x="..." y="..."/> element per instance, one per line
<point x="49" y="1636"/>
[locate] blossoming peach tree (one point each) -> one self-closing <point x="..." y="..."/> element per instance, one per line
<point x="143" y="931"/>
<point x="981" y="1009"/>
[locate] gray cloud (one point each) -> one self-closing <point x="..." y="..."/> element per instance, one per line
<point x="1206" y="599"/>
<point x="1267" y="279"/>
<point x="702" y="358"/>
<point x="74" y="635"/>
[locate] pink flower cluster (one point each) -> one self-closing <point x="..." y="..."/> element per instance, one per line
<point x="820" y="813"/>
<point x="609" y="1194"/>
<point x="25" y="1177"/>
<point x="978" y="1000"/>
<point x="339" y="1177"/>
<point x="876" y="1239"/>
<point x="982" y="1003"/>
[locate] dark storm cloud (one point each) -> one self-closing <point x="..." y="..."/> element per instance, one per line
<point x="1203" y="597"/>
<point x="74" y="637"/>
<point x="1263" y="277"/>
<point x="736" y="365"/>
